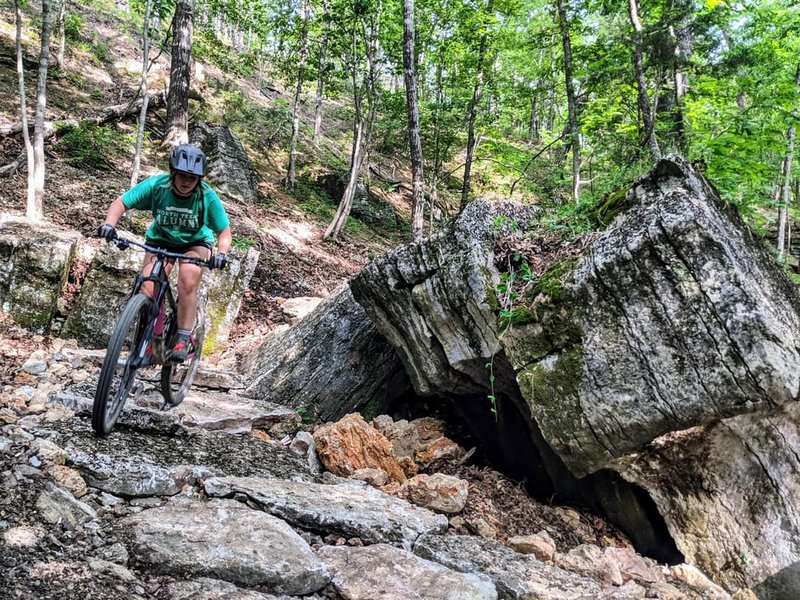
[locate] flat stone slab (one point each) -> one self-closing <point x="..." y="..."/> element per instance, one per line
<point x="349" y="510"/>
<point x="230" y="412"/>
<point x="214" y="589"/>
<point x="138" y="460"/>
<point x="517" y="576"/>
<point x="385" y="572"/>
<point x="226" y="540"/>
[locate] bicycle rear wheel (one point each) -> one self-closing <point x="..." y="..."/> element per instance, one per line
<point x="120" y="364"/>
<point x="177" y="378"/>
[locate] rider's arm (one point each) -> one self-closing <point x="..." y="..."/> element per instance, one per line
<point x="115" y="211"/>
<point x="224" y="240"/>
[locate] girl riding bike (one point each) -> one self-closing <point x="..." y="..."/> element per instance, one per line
<point x="188" y="217"/>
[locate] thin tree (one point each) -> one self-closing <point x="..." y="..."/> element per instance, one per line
<point x="179" y="74"/>
<point x="301" y="75"/>
<point x="414" y="139"/>
<point x="323" y="58"/>
<point x="31" y="203"/>
<point x="477" y="93"/>
<point x="680" y="34"/>
<point x="362" y="124"/>
<point x="644" y="102"/>
<point x="62" y="15"/>
<point x="786" y="180"/>
<point x="137" y="155"/>
<point x="572" y="111"/>
<point x="35" y="209"/>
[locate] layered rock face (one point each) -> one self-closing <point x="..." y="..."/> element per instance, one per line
<point x="34" y="265"/>
<point x="685" y="320"/>
<point x="332" y="362"/>
<point x="668" y="352"/>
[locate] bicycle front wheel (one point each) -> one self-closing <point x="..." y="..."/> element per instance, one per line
<point x="122" y="359"/>
<point x="177" y="378"/>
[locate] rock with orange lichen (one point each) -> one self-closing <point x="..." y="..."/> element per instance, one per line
<point x="351" y="444"/>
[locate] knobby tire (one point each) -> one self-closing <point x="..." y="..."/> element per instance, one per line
<point x="177" y="378"/>
<point x="127" y="337"/>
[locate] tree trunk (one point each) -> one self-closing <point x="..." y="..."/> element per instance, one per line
<point x="35" y="210"/>
<point x="323" y="51"/>
<point x="477" y="92"/>
<point x="361" y="127"/>
<point x="414" y="139"/>
<point x="572" y="112"/>
<point x="301" y="75"/>
<point x="62" y="15"/>
<point x="786" y="181"/>
<point x="137" y="155"/>
<point x="24" y="109"/>
<point x="179" y="75"/>
<point x="644" y="103"/>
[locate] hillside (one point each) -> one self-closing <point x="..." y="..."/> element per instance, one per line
<point x="88" y="167"/>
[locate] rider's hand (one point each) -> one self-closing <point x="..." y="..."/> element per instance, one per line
<point x="219" y="260"/>
<point x="107" y="232"/>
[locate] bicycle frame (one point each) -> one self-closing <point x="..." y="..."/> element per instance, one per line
<point x="161" y="298"/>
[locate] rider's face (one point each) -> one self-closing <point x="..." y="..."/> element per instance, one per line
<point x="185" y="183"/>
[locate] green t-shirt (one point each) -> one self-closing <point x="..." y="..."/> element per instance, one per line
<point x="178" y="221"/>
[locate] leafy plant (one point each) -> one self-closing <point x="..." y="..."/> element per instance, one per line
<point x="73" y="26"/>
<point x="242" y="243"/>
<point x="510" y="289"/>
<point x="89" y="145"/>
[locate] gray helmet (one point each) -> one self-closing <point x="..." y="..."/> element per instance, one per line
<point x="188" y="159"/>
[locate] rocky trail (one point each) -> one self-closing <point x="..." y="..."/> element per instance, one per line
<point x="226" y="497"/>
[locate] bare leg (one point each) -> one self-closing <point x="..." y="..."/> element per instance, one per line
<point x="188" y="282"/>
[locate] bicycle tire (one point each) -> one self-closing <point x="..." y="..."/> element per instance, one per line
<point x="128" y="335"/>
<point x="177" y="378"/>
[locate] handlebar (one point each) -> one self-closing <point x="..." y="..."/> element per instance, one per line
<point x="125" y="243"/>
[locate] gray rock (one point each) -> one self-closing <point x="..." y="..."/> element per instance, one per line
<point x="224" y="290"/>
<point x="735" y="483"/>
<point x="214" y="589"/>
<point x="304" y="445"/>
<point x="229" y="169"/>
<point x="126" y="476"/>
<point x="225" y="540"/>
<point x="331" y="363"/>
<point x="686" y="319"/>
<point x="382" y="571"/>
<point x="103" y="294"/>
<point x="350" y="511"/>
<point x="516" y="576"/>
<point x="59" y="506"/>
<point x="35" y="261"/>
<point x="231" y="413"/>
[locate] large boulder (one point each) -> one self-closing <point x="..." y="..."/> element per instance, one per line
<point x="367" y="207"/>
<point x="674" y="320"/>
<point x="107" y="286"/>
<point x="103" y="293"/>
<point x="35" y="261"/>
<point x="229" y="167"/>
<point x="331" y="363"/>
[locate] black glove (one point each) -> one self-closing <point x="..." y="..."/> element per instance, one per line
<point x="219" y="260"/>
<point x="107" y="232"/>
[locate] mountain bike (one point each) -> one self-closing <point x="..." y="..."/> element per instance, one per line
<point x="142" y="336"/>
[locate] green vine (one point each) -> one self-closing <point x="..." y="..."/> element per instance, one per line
<point x="513" y="285"/>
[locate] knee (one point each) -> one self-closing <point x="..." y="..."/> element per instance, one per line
<point x="188" y="282"/>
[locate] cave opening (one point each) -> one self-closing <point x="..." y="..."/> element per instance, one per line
<point x="512" y="444"/>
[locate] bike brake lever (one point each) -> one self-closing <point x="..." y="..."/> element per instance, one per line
<point x="122" y="243"/>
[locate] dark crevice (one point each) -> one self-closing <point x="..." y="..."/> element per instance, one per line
<point x="513" y="444"/>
